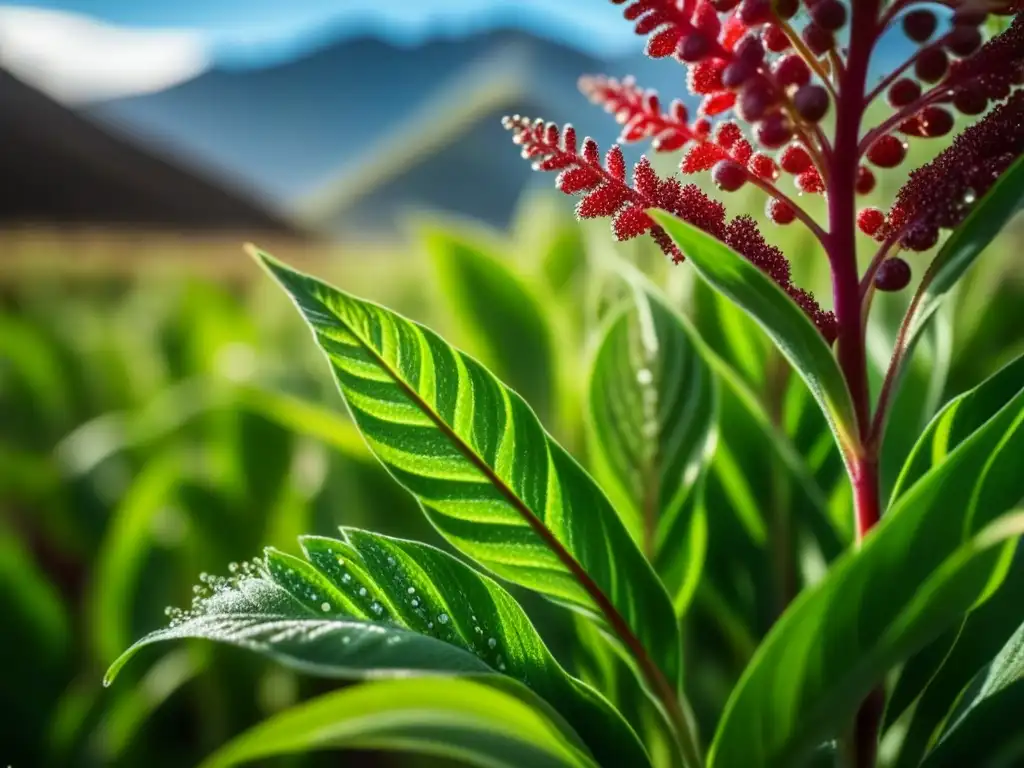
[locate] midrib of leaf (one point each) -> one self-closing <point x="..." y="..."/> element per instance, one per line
<point x="660" y="686"/>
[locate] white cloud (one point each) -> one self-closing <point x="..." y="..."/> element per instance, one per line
<point x="77" y="59"/>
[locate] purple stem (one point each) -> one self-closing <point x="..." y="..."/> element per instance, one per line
<point x="851" y="351"/>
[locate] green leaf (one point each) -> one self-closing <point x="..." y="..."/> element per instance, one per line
<point x="937" y="676"/>
<point x="921" y="568"/>
<point x="651" y="405"/>
<point x="459" y="719"/>
<point x="488" y="476"/>
<point x="965" y="245"/>
<point x="787" y="325"/>
<point x="959" y="419"/>
<point x="986" y="729"/>
<point x="372" y="605"/>
<point x="507" y="321"/>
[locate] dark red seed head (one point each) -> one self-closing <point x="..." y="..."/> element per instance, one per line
<point x="737" y="73"/>
<point x="903" y="92"/>
<point x="920" y="25"/>
<point x="774" y="131"/>
<point x="865" y="182"/>
<point x="786" y="9"/>
<point x="892" y="275"/>
<point x="921" y="237"/>
<point x="870" y="220"/>
<point x="795" y="159"/>
<point x="775" y="39"/>
<point x="755" y="12"/>
<point x="750" y="49"/>
<point x="963" y="40"/>
<point x="724" y="5"/>
<point x="932" y="64"/>
<point x="791" y="70"/>
<point x="818" y="39"/>
<point x="728" y="176"/>
<point x="756" y="98"/>
<point x="887" y="152"/>
<point x="779" y="212"/>
<point x="811" y="102"/>
<point x="828" y="14"/>
<point x="970" y="101"/>
<point x="935" y="122"/>
<point x="694" y="47"/>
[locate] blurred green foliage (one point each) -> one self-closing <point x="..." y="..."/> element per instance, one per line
<point x="150" y="432"/>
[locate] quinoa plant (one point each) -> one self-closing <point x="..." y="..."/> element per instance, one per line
<point x="903" y="648"/>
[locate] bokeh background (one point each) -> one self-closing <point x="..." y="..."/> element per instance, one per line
<point x="162" y="411"/>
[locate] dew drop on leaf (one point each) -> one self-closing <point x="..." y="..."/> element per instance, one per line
<point x="443" y="618"/>
<point x="325" y="607"/>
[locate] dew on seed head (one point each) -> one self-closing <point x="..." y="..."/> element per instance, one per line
<point x="325" y="607"/>
<point x="969" y="196"/>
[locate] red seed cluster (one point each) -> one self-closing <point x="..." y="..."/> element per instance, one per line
<point x="606" y="193"/>
<point x="940" y="194"/>
<point x="995" y="68"/>
<point x="640" y="113"/>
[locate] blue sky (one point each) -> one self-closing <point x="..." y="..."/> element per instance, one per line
<point x="255" y="32"/>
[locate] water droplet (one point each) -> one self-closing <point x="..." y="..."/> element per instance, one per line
<point x="411" y="590"/>
<point x="443" y="618"/>
<point x="346" y="640"/>
<point x="501" y="666"/>
<point x="391" y="561"/>
<point x="376" y="607"/>
<point x="491" y="642"/>
<point x="970" y="196"/>
<point x="341" y="561"/>
<point x="347" y="578"/>
<point x="362" y="591"/>
<point x="233" y="567"/>
<point x="644" y="376"/>
<point x="325" y="607"/>
<point x="415" y="603"/>
<point x="430" y="625"/>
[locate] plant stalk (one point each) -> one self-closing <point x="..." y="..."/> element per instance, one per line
<point x="851" y="349"/>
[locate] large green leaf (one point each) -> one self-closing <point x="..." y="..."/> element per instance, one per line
<point x="986" y="729"/>
<point x="489" y="477"/>
<point x="507" y="322"/>
<point x="959" y="419"/>
<point x="935" y="678"/>
<point x="921" y="568"/>
<point x="372" y="605"/>
<point x="787" y="325"/>
<point x="459" y="719"/>
<point x="990" y="214"/>
<point x="652" y="405"/>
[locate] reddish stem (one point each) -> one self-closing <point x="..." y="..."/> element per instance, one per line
<point x="851" y="351"/>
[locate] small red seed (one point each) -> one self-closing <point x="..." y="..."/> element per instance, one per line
<point x="919" y="25"/>
<point x="936" y="121"/>
<point x="779" y="212"/>
<point x="737" y="73"/>
<point x="750" y="49"/>
<point x="756" y="98"/>
<point x="892" y="275"/>
<point x="921" y="237"/>
<point x="774" y="131"/>
<point x="763" y="167"/>
<point x="754" y="12"/>
<point x="818" y="39"/>
<point x="870" y="220"/>
<point x="903" y="92"/>
<point x="724" y="5"/>
<point x="694" y="47"/>
<point x="887" y="152"/>
<point x="970" y="102"/>
<point x="728" y="176"/>
<point x="811" y="102"/>
<point x="791" y="70"/>
<point x="795" y="159"/>
<point x="829" y="14"/>
<point x="865" y="182"/>
<point x="775" y="39"/>
<point x="786" y="9"/>
<point x="963" y="40"/>
<point x="932" y="64"/>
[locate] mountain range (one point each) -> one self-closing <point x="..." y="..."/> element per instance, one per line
<point x="354" y="132"/>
